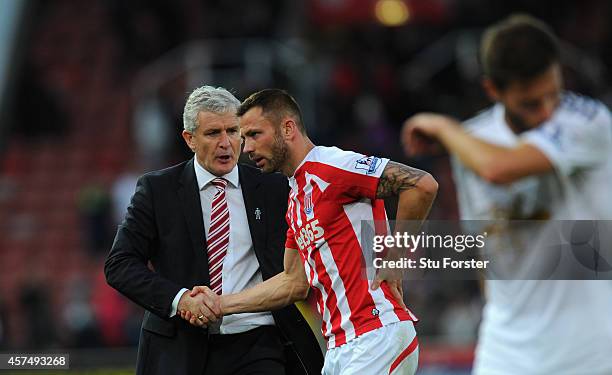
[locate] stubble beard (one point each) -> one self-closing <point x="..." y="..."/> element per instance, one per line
<point x="280" y="154"/>
<point x="518" y="125"/>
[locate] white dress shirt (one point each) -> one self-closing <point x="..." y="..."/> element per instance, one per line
<point x="240" y="267"/>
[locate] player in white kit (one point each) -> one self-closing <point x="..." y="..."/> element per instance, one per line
<point x="539" y="152"/>
<point x="368" y="328"/>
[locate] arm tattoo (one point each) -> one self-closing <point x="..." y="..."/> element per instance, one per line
<point x="396" y="178"/>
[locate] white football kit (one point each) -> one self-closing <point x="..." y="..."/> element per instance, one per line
<point x="553" y="326"/>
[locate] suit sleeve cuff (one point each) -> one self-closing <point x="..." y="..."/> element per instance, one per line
<point x="176" y="300"/>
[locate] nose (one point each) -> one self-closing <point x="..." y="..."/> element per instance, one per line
<point x="248" y="146"/>
<point x="547" y="109"/>
<point x="224" y="141"/>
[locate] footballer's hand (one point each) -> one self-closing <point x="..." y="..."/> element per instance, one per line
<point x="395" y="286"/>
<point x="420" y="133"/>
<point x="198" y="306"/>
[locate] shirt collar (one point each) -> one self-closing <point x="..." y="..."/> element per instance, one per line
<point x="204" y="177"/>
<point x="308" y="156"/>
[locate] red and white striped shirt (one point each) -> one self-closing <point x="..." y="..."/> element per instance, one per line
<point x="332" y="192"/>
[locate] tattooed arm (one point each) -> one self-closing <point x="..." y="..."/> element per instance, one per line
<point x="416" y="191"/>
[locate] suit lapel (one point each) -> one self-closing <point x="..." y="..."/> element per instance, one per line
<point x="254" y="203"/>
<point x="189" y="197"/>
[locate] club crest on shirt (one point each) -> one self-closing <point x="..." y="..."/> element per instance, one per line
<point x="368" y="163"/>
<point x="308" y="204"/>
<point x="375" y="312"/>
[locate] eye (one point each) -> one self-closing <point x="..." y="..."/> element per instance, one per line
<point x="251" y="134"/>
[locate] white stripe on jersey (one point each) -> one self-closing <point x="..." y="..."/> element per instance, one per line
<point x="290" y="208"/>
<point x="314" y="281"/>
<point x="311" y="274"/>
<point x="297" y="208"/>
<point x="338" y="287"/>
<point x="330" y="268"/>
<point x="356" y="213"/>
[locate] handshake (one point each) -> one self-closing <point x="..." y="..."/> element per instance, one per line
<point x="200" y="306"/>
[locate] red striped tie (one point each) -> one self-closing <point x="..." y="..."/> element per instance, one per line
<point x="218" y="235"/>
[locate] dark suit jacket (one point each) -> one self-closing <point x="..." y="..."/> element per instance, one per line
<point x="164" y="226"/>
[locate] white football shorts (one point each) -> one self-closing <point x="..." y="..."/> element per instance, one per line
<point x="392" y="349"/>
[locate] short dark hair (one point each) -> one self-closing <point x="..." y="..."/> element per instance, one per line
<point x="274" y="103"/>
<point x="517" y="48"/>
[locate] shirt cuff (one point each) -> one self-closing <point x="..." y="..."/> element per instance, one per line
<point x="176" y="300"/>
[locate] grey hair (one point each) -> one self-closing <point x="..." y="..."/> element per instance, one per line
<point x="207" y="99"/>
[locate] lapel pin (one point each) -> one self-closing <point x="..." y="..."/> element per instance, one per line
<point x="257" y="214"/>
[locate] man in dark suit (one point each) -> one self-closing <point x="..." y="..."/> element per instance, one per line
<point x="209" y="221"/>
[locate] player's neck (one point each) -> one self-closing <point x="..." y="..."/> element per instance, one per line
<point x="297" y="154"/>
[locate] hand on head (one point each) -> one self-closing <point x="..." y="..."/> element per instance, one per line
<point x="419" y="135"/>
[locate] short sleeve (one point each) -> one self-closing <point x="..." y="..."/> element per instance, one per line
<point x="574" y="142"/>
<point x="355" y="174"/>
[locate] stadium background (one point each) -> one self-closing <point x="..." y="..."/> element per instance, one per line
<point x="91" y="96"/>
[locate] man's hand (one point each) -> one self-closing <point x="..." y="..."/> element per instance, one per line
<point x="394" y="281"/>
<point x="420" y="133"/>
<point x="200" y="306"/>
